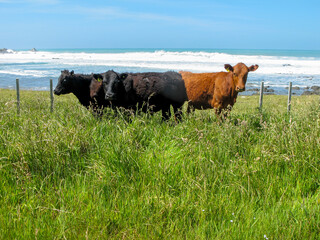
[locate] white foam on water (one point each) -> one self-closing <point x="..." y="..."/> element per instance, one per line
<point x="192" y="61"/>
<point x="29" y="73"/>
<point x="276" y="71"/>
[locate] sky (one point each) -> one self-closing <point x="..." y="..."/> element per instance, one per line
<point x="232" y="24"/>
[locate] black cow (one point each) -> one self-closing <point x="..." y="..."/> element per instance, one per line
<point x="146" y="91"/>
<point x="81" y="86"/>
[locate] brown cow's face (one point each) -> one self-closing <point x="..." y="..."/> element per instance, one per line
<point x="96" y="85"/>
<point x="240" y="74"/>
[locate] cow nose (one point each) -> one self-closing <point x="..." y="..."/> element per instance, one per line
<point x="109" y="96"/>
<point x="238" y="89"/>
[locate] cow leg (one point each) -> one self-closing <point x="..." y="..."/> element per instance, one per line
<point x="218" y="107"/>
<point x="190" y="108"/>
<point x="219" y="113"/>
<point x="177" y="113"/>
<point x="166" y="114"/>
<point x="222" y="113"/>
<point x="227" y="111"/>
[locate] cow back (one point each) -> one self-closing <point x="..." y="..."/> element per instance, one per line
<point x="200" y="87"/>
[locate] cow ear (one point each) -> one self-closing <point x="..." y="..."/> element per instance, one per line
<point x="123" y="76"/>
<point x="97" y="77"/>
<point x="128" y="85"/>
<point x="228" y="67"/>
<point x="253" y="68"/>
<point x="72" y="72"/>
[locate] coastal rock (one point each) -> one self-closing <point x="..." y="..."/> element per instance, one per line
<point x="3" y="50"/>
<point x="286" y="65"/>
<point x="308" y="93"/>
<point x="294" y="88"/>
<point x="265" y="90"/>
<point x="315" y="91"/>
<point x="315" y="88"/>
<point x="268" y="90"/>
<point x="253" y="90"/>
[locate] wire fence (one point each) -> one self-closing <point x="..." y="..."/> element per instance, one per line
<point x="52" y="97"/>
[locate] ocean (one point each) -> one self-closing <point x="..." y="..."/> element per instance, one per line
<point x="276" y="67"/>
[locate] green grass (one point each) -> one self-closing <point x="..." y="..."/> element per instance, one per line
<point x="69" y="175"/>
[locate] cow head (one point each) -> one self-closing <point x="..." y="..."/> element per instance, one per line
<point x="240" y="74"/>
<point x="113" y="85"/>
<point x="64" y="85"/>
<point x="96" y="85"/>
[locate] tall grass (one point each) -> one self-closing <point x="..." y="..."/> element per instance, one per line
<point x="70" y="175"/>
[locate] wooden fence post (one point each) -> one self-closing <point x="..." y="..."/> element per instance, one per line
<point x="289" y="97"/>
<point x="261" y="95"/>
<point x="18" y="95"/>
<point x="51" y="95"/>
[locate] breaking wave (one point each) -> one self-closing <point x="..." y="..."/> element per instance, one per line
<point x="274" y="70"/>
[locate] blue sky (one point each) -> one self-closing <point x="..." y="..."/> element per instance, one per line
<point x="233" y="24"/>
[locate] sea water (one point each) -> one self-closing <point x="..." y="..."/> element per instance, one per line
<point x="276" y="67"/>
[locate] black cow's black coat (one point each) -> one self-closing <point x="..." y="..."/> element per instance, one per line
<point x="146" y="91"/>
<point x="79" y="85"/>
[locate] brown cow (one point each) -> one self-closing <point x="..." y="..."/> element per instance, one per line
<point x="96" y="86"/>
<point x="217" y="90"/>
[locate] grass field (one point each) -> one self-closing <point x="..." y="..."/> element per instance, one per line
<point x="68" y="175"/>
